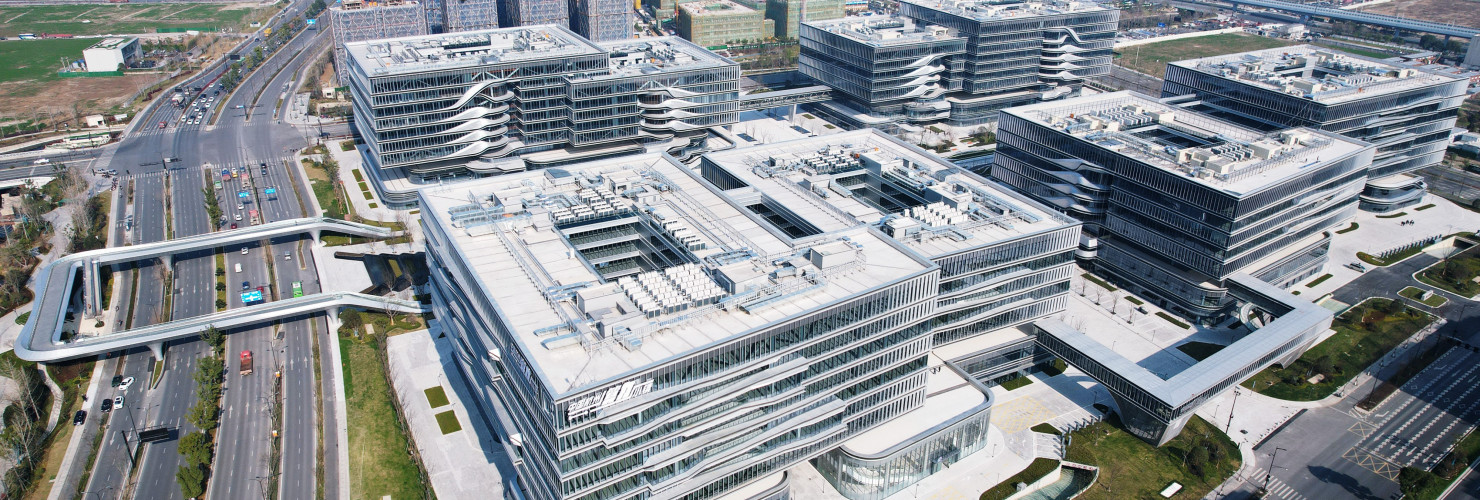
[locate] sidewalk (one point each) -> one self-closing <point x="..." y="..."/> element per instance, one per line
<point x="462" y="463"/>
<point x="1374" y="235"/>
<point x="349" y="163"/>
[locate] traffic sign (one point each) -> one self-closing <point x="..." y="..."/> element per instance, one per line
<point x="271" y="190"/>
<point x="313" y="21"/>
<point x="252" y="296"/>
<point x="242" y="194"/>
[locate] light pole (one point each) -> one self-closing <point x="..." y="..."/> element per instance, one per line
<point x="1268" y="474"/>
<point x="1231" y="407"/>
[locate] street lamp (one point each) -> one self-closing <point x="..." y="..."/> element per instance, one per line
<point x="1270" y="473"/>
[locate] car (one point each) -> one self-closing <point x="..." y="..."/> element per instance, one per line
<point x="42" y="161"/>
<point x="244" y="250"/>
<point x="238" y="217"/>
<point x="79" y="417"/>
<point x="118" y="401"/>
<point x="233" y="225"/>
<point x="107" y="406"/>
<point x="117" y="379"/>
<point x="240" y="207"/>
<point x="287" y="255"/>
<point x="161" y="125"/>
<point x="246" y="285"/>
<point x="127" y="381"/>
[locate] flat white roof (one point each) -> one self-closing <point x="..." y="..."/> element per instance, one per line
<point x="883" y="31"/>
<point x="467" y="49"/>
<point x="648" y="56"/>
<point x="822" y="179"/>
<point x="1315" y="73"/>
<point x="1216" y="153"/>
<point x="527" y="236"/>
<point x="986" y="10"/>
<point x="948" y="396"/>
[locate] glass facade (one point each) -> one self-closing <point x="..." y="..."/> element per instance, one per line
<point x="990" y="56"/>
<point x="1173" y="237"/>
<point x="594" y="102"/>
<point x="1408" y="124"/>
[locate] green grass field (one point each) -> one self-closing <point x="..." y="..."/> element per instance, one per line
<point x="1364" y="333"/>
<point x="125" y="18"/>
<point x="38" y="60"/>
<point x="1152" y="58"/>
<point x="436" y="397"/>
<point x="379" y="464"/>
<point x="1132" y="468"/>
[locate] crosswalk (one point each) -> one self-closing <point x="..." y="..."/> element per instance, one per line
<point x="1277" y="489"/>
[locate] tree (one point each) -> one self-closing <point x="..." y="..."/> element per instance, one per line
<point x="1395" y="306"/>
<point x="192" y="481"/>
<point x="351" y="318"/>
<point x="1197" y="460"/>
<point x="220" y="286"/>
<point x="1412" y="480"/>
<point x="1324" y="365"/>
<point x="214" y="337"/>
<point x="220" y="303"/>
<point x="1429" y="42"/>
<point x="203" y="415"/>
<point x="196" y="447"/>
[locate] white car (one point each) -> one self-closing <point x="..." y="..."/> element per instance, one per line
<point x="238" y="217"/>
<point x="42" y="161"/>
<point x="287" y="255"/>
<point x="123" y="386"/>
<point x="244" y="250"/>
<point x="118" y="402"/>
<point x="240" y="207"/>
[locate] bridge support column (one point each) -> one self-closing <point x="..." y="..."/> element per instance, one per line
<point x="793" y="116"/>
<point x="158" y="349"/>
<point x="318" y="236"/>
<point x="168" y="260"/>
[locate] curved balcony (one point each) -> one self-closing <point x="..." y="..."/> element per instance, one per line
<point x="478" y="135"/>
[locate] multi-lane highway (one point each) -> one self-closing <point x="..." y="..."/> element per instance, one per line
<point x="200" y="151"/>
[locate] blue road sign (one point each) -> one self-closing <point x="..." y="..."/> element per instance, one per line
<point x="313" y="21"/>
<point x="242" y="194"/>
<point x="252" y="296"/>
<point x="271" y="190"/>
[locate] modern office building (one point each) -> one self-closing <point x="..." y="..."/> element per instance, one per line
<point x="711" y="23"/>
<point x="1015" y="54"/>
<point x="789" y="14"/>
<point x="469" y="15"/>
<point x="881" y="64"/>
<point x="1175" y="201"/>
<point x="602" y="20"/>
<point x="517" y="13"/>
<point x="636" y="333"/>
<point x="435" y="106"/>
<point x="356" y="20"/>
<point x="1406" y="112"/>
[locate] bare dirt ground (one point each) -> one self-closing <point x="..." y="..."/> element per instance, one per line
<point x="27" y="99"/>
<point x="1462" y="12"/>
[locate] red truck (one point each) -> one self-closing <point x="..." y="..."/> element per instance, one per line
<point x="246" y="363"/>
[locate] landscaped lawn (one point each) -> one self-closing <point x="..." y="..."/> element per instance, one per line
<point x="1199" y="350"/>
<point x="1132" y="468"/>
<point x="447" y="421"/>
<point x="1457" y="274"/>
<point x="379" y="463"/>
<point x="1017" y="383"/>
<point x="436" y="397"/>
<point x="125" y="18"/>
<point x="1152" y="58"/>
<point x="1414" y="293"/>
<point x="38" y="60"/>
<point x="1364" y="333"/>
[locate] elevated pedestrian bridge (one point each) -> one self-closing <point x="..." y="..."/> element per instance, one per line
<point x="37" y="343"/>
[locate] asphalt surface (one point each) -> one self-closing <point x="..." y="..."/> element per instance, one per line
<point x="201" y="149"/>
<point x="1341" y="452"/>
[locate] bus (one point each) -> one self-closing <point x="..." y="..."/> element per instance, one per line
<point x="297" y="289"/>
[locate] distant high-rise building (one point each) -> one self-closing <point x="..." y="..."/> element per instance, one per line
<point x="1406" y="112"/>
<point x="789" y="14"/>
<point x="601" y="20"/>
<point x="434" y="16"/>
<point x="355" y="21"/>
<point x="718" y="22"/>
<point x="515" y="13"/>
<point x="1015" y="54"/>
<point x="469" y="15"/>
